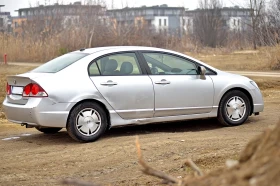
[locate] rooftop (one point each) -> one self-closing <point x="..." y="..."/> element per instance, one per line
<point x="75" y="5"/>
<point x="164" y="6"/>
<point x="235" y="8"/>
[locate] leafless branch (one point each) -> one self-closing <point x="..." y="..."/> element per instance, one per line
<point x="191" y="164"/>
<point x="151" y="171"/>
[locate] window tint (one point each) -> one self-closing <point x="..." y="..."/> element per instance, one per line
<point x="167" y="64"/>
<point x="59" y="63"/>
<point x="116" y="65"/>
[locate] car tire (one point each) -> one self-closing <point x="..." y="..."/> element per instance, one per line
<point x="87" y="122"/>
<point x="234" y="108"/>
<point x="48" y="130"/>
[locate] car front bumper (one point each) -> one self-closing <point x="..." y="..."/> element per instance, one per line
<point x="257" y="100"/>
<point x="38" y="112"/>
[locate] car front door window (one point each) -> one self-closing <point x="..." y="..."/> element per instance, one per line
<point x="165" y="64"/>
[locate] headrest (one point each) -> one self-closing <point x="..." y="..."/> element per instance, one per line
<point x="111" y="65"/>
<point x="126" y="68"/>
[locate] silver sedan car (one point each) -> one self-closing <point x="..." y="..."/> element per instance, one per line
<point x="92" y="90"/>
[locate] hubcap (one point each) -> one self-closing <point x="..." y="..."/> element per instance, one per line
<point x="235" y="108"/>
<point x="88" y="122"/>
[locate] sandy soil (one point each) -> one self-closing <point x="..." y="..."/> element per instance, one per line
<point x="41" y="159"/>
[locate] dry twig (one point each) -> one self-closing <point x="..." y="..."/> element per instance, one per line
<point x="191" y="164"/>
<point x="151" y="171"/>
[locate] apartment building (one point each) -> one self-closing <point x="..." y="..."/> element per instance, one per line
<point x="234" y="19"/>
<point x="160" y="18"/>
<point x="57" y="16"/>
<point x="5" y="21"/>
<point x="177" y="19"/>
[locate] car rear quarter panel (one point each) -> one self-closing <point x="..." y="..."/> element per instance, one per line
<point x="72" y="84"/>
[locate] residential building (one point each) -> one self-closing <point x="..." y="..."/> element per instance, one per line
<point x="177" y="19"/>
<point x="234" y="19"/>
<point x="160" y="18"/>
<point x="18" y="25"/>
<point x="57" y="15"/>
<point x="5" y="21"/>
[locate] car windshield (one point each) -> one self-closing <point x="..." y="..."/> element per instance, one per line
<point x="59" y="63"/>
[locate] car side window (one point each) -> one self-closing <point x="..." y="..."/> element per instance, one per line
<point x="116" y="65"/>
<point x="165" y="64"/>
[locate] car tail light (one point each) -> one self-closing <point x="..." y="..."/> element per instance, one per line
<point x="8" y="89"/>
<point x="34" y="90"/>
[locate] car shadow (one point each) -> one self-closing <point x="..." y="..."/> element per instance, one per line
<point x="168" y="127"/>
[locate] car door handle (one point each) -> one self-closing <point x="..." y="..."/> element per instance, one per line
<point x="109" y="83"/>
<point x="162" y="82"/>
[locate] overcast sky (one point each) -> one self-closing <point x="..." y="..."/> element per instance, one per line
<point x="12" y="5"/>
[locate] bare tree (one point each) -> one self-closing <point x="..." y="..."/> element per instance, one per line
<point x="209" y="25"/>
<point x="272" y="23"/>
<point x="257" y="11"/>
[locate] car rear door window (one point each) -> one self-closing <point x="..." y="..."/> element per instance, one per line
<point x="116" y="65"/>
<point x="165" y="64"/>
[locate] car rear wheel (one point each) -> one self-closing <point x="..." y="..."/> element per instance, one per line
<point x="48" y="130"/>
<point x="87" y="122"/>
<point x="234" y="108"/>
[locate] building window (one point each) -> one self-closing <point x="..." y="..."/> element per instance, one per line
<point x="238" y="22"/>
<point x="234" y="22"/>
<point x="1" y="22"/>
<point x="165" y="22"/>
<point x="189" y="22"/>
<point x="159" y="22"/>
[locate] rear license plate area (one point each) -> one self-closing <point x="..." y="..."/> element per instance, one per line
<point x="17" y="90"/>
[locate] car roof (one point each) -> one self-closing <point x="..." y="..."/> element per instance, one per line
<point x="98" y="49"/>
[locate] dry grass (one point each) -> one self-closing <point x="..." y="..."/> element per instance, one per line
<point x="265" y="58"/>
<point x="42" y="47"/>
<point x="271" y="56"/>
<point x="234" y="61"/>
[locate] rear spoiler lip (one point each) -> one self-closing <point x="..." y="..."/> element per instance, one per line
<point x="18" y="80"/>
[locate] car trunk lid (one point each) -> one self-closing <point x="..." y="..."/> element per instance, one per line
<point x="17" y="84"/>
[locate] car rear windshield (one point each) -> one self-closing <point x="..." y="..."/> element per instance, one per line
<point x="59" y="63"/>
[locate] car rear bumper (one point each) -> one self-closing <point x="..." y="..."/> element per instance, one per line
<point x="38" y="112"/>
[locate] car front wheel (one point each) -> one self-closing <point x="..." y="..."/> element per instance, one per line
<point x="87" y="122"/>
<point x="234" y="108"/>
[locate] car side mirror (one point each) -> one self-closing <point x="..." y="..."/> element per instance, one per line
<point x="202" y="70"/>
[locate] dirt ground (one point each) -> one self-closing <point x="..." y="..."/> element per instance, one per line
<point x="39" y="159"/>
